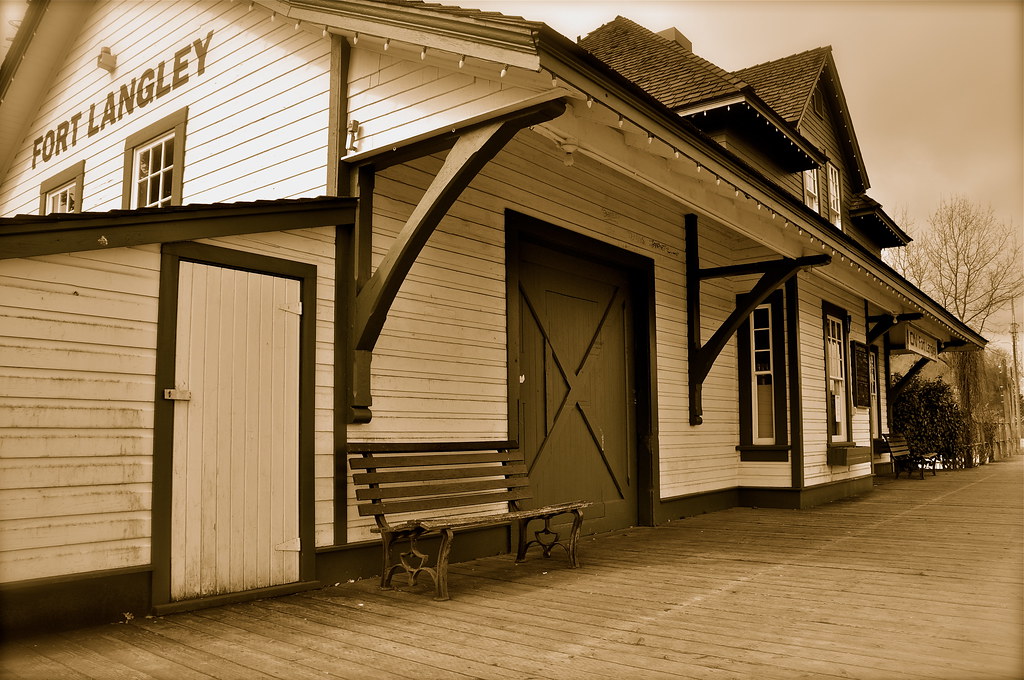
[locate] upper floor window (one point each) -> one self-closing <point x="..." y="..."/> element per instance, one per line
<point x="837" y="404"/>
<point x="62" y="193"/>
<point x="811" y="188"/>
<point x="154" y="160"/>
<point x="835" y="196"/>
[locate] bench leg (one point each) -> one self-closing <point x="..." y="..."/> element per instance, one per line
<point x="574" y="537"/>
<point x="548" y="539"/>
<point x="440" y="573"/>
<point x="389" y="568"/>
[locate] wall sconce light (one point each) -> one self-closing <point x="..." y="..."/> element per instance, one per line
<point x="106" y="60"/>
<point x="353" y="135"/>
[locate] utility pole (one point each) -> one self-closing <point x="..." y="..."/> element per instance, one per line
<point x="1016" y="391"/>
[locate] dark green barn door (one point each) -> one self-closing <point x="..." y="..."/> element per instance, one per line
<point x="577" y="401"/>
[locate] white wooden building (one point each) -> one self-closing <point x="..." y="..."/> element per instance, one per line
<point x="236" y="237"/>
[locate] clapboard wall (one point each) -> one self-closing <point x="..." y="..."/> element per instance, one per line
<point x="257" y="116"/>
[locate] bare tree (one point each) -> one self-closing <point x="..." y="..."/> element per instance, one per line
<point x="971" y="264"/>
<point x="968" y="261"/>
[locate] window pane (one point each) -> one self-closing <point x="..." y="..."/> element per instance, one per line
<point x="167" y="177"/>
<point x="764" y="408"/>
<point x="154" y="190"/>
<point x="143" y="164"/>
<point x="169" y="153"/>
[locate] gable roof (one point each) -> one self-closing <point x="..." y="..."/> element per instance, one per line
<point x="673" y="74"/>
<point x="787" y="84"/>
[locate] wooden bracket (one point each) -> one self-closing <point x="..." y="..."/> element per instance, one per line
<point x="774" y="273"/>
<point x="471" y="150"/>
<point x="905" y="380"/>
<point x="886" y="322"/>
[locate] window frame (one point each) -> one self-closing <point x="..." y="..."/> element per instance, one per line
<point x="753" y="448"/>
<point x="173" y="125"/>
<point x="73" y="175"/>
<point x="812" y="190"/>
<point x="835" y="195"/>
<point x="834" y="316"/>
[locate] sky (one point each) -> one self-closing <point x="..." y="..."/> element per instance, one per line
<point x="935" y="88"/>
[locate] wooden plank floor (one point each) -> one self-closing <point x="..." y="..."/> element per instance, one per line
<point x="919" y="579"/>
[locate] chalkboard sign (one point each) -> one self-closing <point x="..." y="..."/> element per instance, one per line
<point x="861" y="377"/>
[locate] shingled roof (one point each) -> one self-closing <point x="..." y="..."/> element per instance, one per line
<point x="786" y="84"/>
<point x="674" y="75"/>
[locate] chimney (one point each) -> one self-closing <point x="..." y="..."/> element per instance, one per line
<point x="675" y="35"/>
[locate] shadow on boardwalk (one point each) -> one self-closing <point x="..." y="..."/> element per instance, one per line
<point x="919" y="579"/>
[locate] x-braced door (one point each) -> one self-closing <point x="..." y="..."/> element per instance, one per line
<point x="577" y="400"/>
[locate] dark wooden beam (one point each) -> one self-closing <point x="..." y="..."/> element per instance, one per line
<point x="910" y="375"/>
<point x="886" y="322"/>
<point x="774" y="273"/>
<point x="475" y="148"/>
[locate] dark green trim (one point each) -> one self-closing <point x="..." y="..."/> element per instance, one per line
<point x="49" y="605"/>
<point x="337" y="114"/>
<point x="25" y="236"/>
<point x="762" y="497"/>
<point x="640" y="273"/>
<point x="696" y="504"/>
<point x="174" y="122"/>
<point x="343" y="295"/>
<point x="764" y="453"/>
<point x="796" y="411"/>
<point x="163" y="452"/>
<point x="847" y="455"/>
<point x="73" y="173"/>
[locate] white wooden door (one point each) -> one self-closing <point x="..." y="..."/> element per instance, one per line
<point x="235" y="482"/>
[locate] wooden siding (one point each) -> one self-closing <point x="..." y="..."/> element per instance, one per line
<point x="440" y="367"/>
<point x="77" y="359"/>
<point x="257" y="125"/>
<point x="394" y="98"/>
<point x="312" y="246"/>
<point x="814" y="288"/>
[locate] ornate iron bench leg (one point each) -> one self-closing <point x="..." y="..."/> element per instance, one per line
<point x="389" y="568"/>
<point x="574" y="537"/>
<point x="521" y="543"/>
<point x="440" y="572"/>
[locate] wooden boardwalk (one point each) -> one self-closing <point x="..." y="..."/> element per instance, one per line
<point x="919" y="579"/>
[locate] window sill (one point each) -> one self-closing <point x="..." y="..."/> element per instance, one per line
<point x="763" y="453"/>
<point x="847" y="454"/>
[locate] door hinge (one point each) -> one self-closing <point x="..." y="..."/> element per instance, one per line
<point x="293" y="545"/>
<point x="178" y="395"/>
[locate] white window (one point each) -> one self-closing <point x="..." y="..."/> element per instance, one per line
<point x="154" y="173"/>
<point x="154" y="163"/>
<point x="762" y="371"/>
<point x="835" y="196"/>
<point x="835" y="366"/>
<point x="811" y="188"/>
<point x="62" y="199"/>
<point x="62" y="193"/>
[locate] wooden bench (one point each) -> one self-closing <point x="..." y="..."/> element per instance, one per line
<point x="411" y="490"/>
<point x="903" y="459"/>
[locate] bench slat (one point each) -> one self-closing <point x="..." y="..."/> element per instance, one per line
<point x="384" y="508"/>
<point x="398" y="476"/>
<point x="471" y="521"/>
<point x="439" y="489"/>
<point x="373" y="462"/>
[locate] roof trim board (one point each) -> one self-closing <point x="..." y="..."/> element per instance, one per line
<point x="31" y="235"/>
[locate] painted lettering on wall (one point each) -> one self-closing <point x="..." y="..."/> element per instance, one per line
<point x="150" y="85"/>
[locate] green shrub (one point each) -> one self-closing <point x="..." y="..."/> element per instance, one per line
<point x="926" y="413"/>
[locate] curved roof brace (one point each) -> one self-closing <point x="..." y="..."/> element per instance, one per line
<point x="471" y="150"/>
<point x="774" y="273"/>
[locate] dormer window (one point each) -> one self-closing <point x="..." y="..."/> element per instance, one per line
<point x="835" y="196"/>
<point x="811" y="189"/>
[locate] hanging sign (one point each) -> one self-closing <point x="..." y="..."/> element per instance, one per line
<point x="861" y="375"/>
<point x="151" y="84"/>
